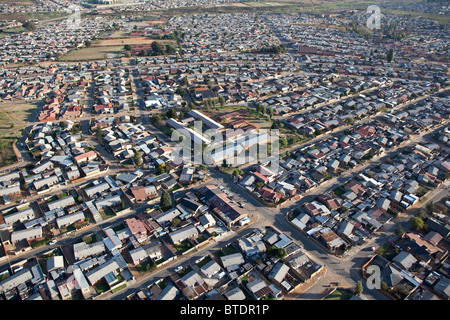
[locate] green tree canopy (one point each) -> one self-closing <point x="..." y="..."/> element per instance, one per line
<point x="166" y="200"/>
<point x="171" y="113"/>
<point x="137" y="158"/>
<point x="29" y="25"/>
<point x="390" y="55"/>
<point x="359" y="288"/>
<point x="237" y="172"/>
<point x="417" y="223"/>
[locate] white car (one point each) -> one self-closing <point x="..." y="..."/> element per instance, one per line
<point x="179" y="268"/>
<point x="52" y="242"/>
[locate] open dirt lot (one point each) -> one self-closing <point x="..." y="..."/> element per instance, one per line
<point x="92" y="53"/>
<point x="14" y="117"/>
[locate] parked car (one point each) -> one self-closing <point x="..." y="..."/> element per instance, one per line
<point x="179" y="268"/>
<point x="52" y="242"/>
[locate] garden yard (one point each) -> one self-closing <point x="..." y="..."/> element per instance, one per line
<point x="387" y="251"/>
<point x="340" y="294"/>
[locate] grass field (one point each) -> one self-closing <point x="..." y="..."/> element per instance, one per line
<point x="340" y="294"/>
<point x="267" y="4"/>
<point x="108" y="48"/>
<point x="18" y="2"/>
<point x="41" y="15"/>
<point x="92" y="53"/>
<point x="13" y="119"/>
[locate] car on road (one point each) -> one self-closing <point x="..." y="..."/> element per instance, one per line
<point x="18" y="268"/>
<point x="220" y="223"/>
<point x="52" y="242"/>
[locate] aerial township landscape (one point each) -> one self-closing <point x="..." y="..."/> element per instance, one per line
<point x="107" y="105"/>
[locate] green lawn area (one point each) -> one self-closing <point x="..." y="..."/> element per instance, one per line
<point x="119" y="288"/>
<point x="67" y="229"/>
<point x="101" y="287"/>
<point x="39" y="243"/>
<point x="119" y="227"/>
<point x="340" y="294"/>
<point x="229" y="250"/>
<point x="183" y="246"/>
<point x="184" y="271"/>
<point x="146" y="266"/>
<point x="203" y="262"/>
<point x="339" y="191"/>
<point x="387" y="251"/>
<point x="90" y="238"/>
<point x="63" y="195"/>
<point x="107" y="213"/>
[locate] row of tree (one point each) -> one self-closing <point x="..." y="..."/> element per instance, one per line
<point x="157" y="49"/>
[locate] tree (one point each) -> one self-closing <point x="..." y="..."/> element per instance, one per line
<point x="399" y="231"/>
<point x="283" y="143"/>
<point x="137" y="158"/>
<point x="181" y="91"/>
<point x="29" y="25"/>
<point x="161" y="168"/>
<point x="156" y="118"/>
<point x="237" y="172"/>
<point x="430" y="207"/>
<point x="259" y="107"/>
<point x="222" y="101"/>
<point x="166" y="200"/>
<point x="440" y="207"/>
<point x="277" y="252"/>
<point x="175" y="222"/>
<point x="157" y="48"/>
<point x="359" y="288"/>
<point x="417" y="223"/>
<point x="390" y="55"/>
<point x="259" y="184"/>
<point x="170" y="49"/>
<point x="171" y="113"/>
<point x="98" y="132"/>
